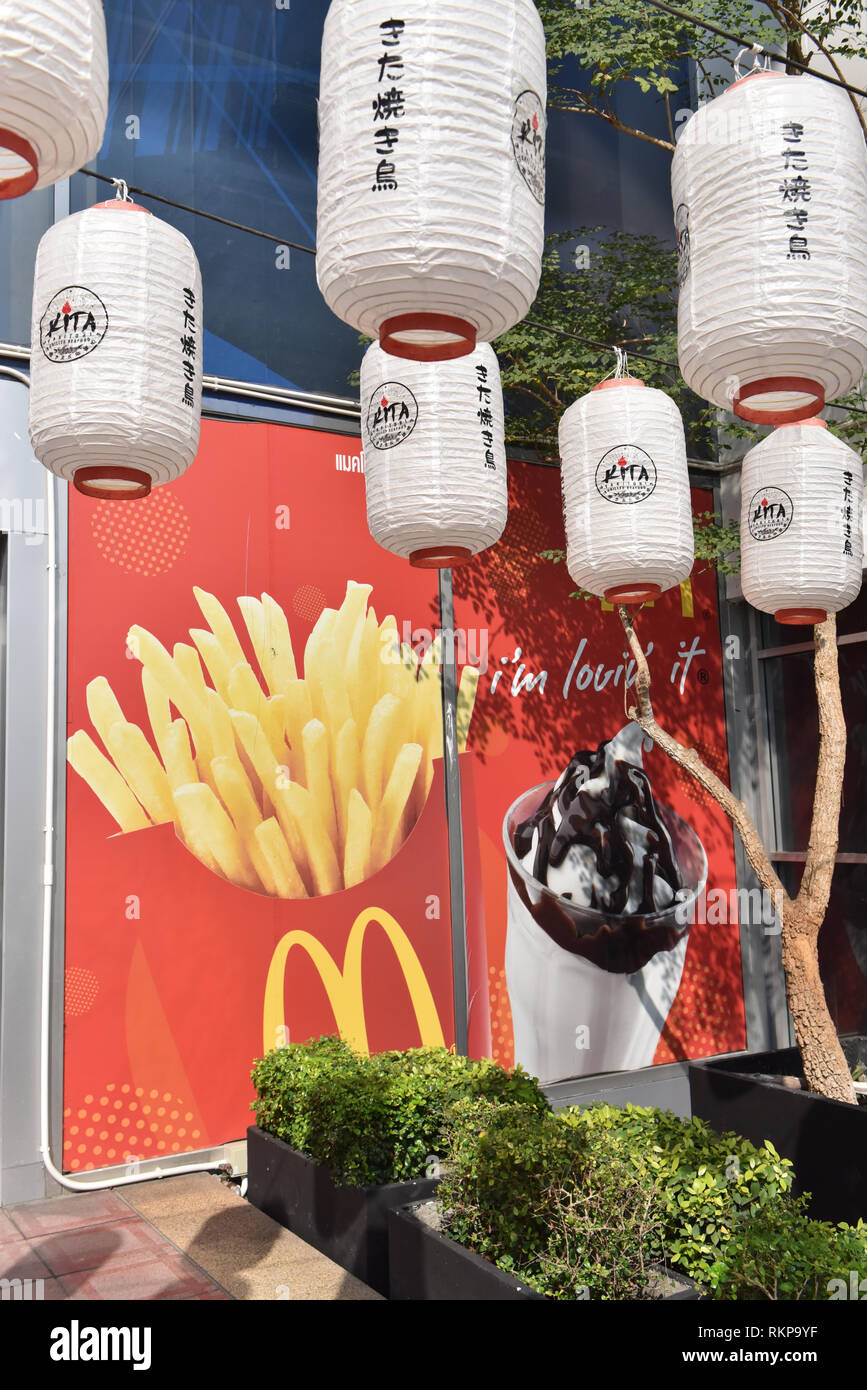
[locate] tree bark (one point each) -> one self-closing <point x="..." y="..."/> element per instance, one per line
<point x="801" y="918"/>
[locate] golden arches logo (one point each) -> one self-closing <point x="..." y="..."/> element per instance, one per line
<point x="345" y="988"/>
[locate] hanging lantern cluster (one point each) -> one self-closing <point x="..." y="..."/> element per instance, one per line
<point x="116" y="351"/>
<point x="626" y="496"/>
<point x="431" y="170"/>
<point x="434" y="455"/>
<point x="53" y="90"/>
<point x="801" y="524"/>
<point x="769" y="186"/>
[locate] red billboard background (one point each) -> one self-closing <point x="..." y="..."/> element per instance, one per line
<point x="176" y="979"/>
<point x="525" y="730"/>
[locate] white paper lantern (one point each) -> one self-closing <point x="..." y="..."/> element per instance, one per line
<point x="769" y="184"/>
<point x="434" y="455"/>
<point x="431" y="170"/>
<point x="801" y="518"/>
<point x="116" y="351"/>
<point x="53" y="90"/>
<point x="626" y="497"/>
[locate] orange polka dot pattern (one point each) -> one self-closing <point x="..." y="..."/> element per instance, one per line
<point x="143" y="537"/>
<point x="308" y="602"/>
<point x="502" y="1041"/>
<point x="702" y="1021"/>
<point x="121" y="1123"/>
<point x="81" y="989"/>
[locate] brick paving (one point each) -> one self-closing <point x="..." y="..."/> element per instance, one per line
<point x="187" y="1238"/>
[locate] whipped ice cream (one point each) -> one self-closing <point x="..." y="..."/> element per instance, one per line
<point x="597" y="838"/>
<point x="602" y="879"/>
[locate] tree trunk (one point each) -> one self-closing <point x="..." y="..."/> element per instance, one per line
<point x="825" y="1067"/>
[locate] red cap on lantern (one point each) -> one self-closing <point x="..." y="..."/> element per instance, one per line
<point x="440" y="557"/>
<point x="398" y="336"/>
<point x="111" y="483"/>
<point x="16" y="184"/>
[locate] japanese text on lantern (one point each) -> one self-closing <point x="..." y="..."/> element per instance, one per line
<point x="847" y="512"/>
<point x="188" y="348"/>
<point x="486" y="415"/>
<point x="795" y="190"/>
<point x="388" y="104"/>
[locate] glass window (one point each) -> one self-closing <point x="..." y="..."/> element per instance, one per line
<point x="842" y="944"/>
<point x="794" y="738"/>
<point x="793" y="730"/>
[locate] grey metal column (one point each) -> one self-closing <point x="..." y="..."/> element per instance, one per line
<point x="453" y="812"/>
<point x="22" y="493"/>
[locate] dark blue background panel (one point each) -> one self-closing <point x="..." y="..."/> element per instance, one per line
<point x="213" y="104"/>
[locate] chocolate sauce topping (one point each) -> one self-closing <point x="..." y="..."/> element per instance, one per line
<point x="594" y="819"/>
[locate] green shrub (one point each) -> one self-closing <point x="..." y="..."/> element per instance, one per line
<point x="521" y="1190"/>
<point x="705" y="1180"/>
<point x="378" y="1119"/>
<point x="783" y="1256"/>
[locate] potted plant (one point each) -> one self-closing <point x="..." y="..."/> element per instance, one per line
<point x="609" y="1203"/>
<point x="341" y="1138"/>
<point x="798" y="1118"/>
<point x="765" y="1096"/>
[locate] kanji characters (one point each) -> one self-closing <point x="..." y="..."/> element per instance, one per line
<point x="388" y="106"/>
<point x="385" y="180"/>
<point x="189" y="347"/>
<point x="486" y="415"/>
<point x="795" y="190"/>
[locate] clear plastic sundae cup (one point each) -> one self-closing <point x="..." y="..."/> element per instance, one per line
<point x="590" y="990"/>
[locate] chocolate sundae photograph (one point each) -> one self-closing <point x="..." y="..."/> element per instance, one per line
<point x="601" y="881"/>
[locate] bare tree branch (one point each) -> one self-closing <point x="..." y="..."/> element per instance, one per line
<point x="688" y="758"/>
<point x="825" y="826"/>
<point x="825" y="1066"/>
<point x="586" y="108"/>
<point x="831" y="59"/>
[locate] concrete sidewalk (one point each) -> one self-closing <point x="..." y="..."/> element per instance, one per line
<point x="189" y="1238"/>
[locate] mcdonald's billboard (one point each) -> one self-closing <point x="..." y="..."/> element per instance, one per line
<point x="257" y="841"/>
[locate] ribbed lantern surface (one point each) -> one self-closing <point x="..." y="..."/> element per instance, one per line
<point x="769" y="185"/>
<point x="431" y="170"/>
<point x="53" y="90"/>
<point x="626" y="498"/>
<point x="116" y="351"/>
<point x="801" y="515"/>
<point x="434" y="455"/>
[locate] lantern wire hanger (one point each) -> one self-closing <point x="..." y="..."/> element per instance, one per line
<point x="754" y="48"/>
<point x="761" y="60"/>
<point x="621" y="365"/>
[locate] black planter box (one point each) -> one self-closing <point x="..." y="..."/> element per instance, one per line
<point x="825" y="1139"/>
<point x="348" y="1224"/>
<point x="425" y="1265"/>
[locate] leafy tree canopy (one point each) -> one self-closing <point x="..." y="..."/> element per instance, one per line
<point x="628" y="41"/>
